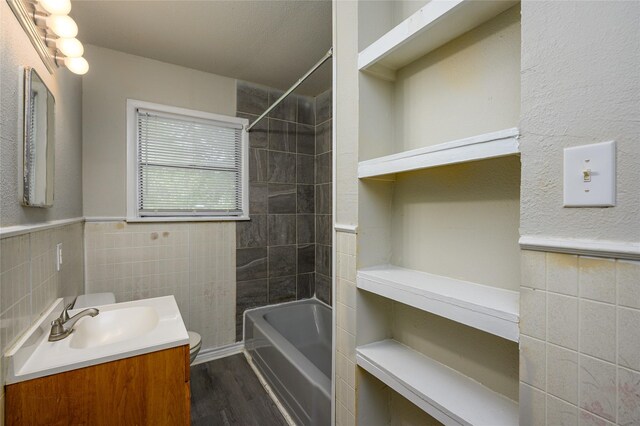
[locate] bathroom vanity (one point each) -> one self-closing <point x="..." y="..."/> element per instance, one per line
<point x="127" y="365"/>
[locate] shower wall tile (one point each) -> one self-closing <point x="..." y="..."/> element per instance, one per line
<point x="282" y="229"/>
<point x="282" y="261"/>
<point x="287" y="109"/>
<point x="590" y="338"/>
<point x="305" y="199"/>
<point x="194" y="262"/>
<point x="253" y="232"/>
<point x="252" y="98"/>
<point x="323" y="168"/>
<point x="251" y="263"/>
<point x="323" y="137"/>
<point x="305" y="166"/>
<point x="282" y="167"/>
<point x="276" y="250"/>
<point x="306" y="258"/>
<point x="306" y="228"/>
<point x="282" y="136"/>
<point x="323" y="199"/>
<point x="282" y="289"/>
<point x="324" y="228"/>
<point x="259" y="135"/>
<point x="282" y="198"/>
<point x="306" y="139"/>
<point x="306" y="110"/>
<point x="305" y="285"/>
<point x="323" y="260"/>
<point x="258" y="165"/>
<point x="323" y="107"/>
<point x="258" y="198"/>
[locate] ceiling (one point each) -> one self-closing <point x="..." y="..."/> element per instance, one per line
<point x="267" y="42"/>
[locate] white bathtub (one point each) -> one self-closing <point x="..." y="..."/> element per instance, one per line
<point x="291" y="346"/>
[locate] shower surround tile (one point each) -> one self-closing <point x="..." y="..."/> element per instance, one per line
<point x="276" y="252"/>
<point x="587" y="308"/>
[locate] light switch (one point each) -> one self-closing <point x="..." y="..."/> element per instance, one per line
<point x="590" y="175"/>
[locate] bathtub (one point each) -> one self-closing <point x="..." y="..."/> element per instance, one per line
<point x="290" y="344"/>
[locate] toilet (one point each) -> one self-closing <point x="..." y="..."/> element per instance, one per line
<point x="98" y="299"/>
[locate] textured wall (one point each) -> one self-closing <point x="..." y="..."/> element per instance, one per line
<point x="29" y="282"/>
<point x="16" y="50"/>
<point x="284" y="251"/>
<point x="192" y="261"/>
<point x="114" y="78"/>
<point x="580" y="85"/>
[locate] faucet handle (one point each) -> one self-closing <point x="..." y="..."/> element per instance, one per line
<point x="64" y="315"/>
<point x="56" y="326"/>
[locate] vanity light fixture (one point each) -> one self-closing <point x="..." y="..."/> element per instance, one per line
<point x="56" y="7"/>
<point x="70" y="47"/>
<point x="62" y="26"/>
<point x="56" y="31"/>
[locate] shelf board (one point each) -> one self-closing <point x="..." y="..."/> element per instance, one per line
<point x="434" y="25"/>
<point x="444" y="393"/>
<point x="479" y="147"/>
<point x="490" y="309"/>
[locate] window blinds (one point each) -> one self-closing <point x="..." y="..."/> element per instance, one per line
<point x="188" y="166"/>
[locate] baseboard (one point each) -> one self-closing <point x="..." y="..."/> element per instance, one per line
<point x="212" y="354"/>
<point x="582" y="247"/>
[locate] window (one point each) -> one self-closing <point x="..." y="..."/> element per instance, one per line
<point x="185" y="164"/>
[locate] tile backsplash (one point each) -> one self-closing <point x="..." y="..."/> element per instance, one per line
<point x="29" y="282"/>
<point x="580" y="344"/>
<point x="194" y="261"/>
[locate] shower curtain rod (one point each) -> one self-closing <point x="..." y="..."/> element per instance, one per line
<point x="292" y="88"/>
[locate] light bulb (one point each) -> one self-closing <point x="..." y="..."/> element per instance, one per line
<point x="70" y="47"/>
<point x="56" y="7"/>
<point x="62" y="26"/>
<point x="77" y="65"/>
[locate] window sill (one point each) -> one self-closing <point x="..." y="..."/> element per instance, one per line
<point x="187" y="219"/>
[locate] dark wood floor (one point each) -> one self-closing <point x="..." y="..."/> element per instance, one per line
<point x="227" y="392"/>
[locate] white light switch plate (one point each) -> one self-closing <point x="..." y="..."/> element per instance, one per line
<point x="590" y="175"/>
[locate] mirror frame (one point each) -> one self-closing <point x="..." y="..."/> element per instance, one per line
<point x="24" y="125"/>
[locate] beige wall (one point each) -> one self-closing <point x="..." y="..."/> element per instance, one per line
<point x="580" y="85"/>
<point x="114" y="78"/>
<point x="15" y="51"/>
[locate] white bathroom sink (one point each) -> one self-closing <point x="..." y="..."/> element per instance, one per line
<point x="120" y="330"/>
<point x="113" y="326"/>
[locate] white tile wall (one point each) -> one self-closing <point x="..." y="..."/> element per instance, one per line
<point x="195" y="262"/>
<point x="345" y="332"/>
<point x="29" y="282"/>
<point x="580" y="330"/>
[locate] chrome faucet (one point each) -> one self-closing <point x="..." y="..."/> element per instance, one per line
<point x="58" y="329"/>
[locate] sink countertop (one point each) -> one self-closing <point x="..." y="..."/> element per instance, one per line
<point x="34" y="356"/>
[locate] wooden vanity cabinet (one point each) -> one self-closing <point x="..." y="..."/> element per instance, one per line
<point x="150" y="389"/>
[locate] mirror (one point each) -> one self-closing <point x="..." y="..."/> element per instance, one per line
<point x="37" y="135"/>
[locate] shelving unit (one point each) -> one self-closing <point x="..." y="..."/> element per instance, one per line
<point x="435" y="24"/>
<point x="430" y="347"/>
<point x="480" y="147"/>
<point x="486" y="308"/>
<point x="448" y="396"/>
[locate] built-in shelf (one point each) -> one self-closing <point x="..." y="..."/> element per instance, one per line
<point x="447" y="395"/>
<point x="490" y="309"/>
<point x="435" y="24"/>
<point x="489" y="145"/>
